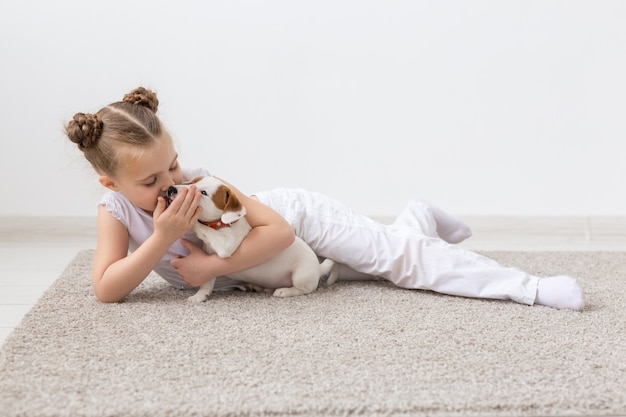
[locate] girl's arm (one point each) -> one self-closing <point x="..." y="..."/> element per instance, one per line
<point x="115" y="273"/>
<point x="270" y="235"/>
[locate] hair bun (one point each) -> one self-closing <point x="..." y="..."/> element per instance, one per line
<point x="85" y="130"/>
<point x="143" y="97"/>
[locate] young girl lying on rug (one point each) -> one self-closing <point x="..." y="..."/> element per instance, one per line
<point x="136" y="159"/>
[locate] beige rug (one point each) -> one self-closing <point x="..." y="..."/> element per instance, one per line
<point x="359" y="348"/>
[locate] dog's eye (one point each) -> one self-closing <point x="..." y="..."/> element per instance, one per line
<point x="203" y="192"/>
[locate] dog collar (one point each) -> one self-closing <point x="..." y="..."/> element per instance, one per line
<point x="215" y="224"/>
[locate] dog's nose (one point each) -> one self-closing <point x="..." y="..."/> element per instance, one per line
<point x="171" y="192"/>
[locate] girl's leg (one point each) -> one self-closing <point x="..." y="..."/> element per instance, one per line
<point x="403" y="255"/>
<point x="423" y="216"/>
<point x="449" y="228"/>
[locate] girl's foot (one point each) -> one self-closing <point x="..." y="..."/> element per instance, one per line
<point x="561" y="292"/>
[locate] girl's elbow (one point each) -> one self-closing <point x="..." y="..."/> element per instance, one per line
<point x="107" y="299"/>
<point x="105" y="296"/>
<point x="288" y="236"/>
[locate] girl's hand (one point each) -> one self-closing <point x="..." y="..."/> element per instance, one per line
<point x="173" y="221"/>
<point x="195" y="268"/>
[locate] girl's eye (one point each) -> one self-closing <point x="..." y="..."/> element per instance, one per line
<point x="203" y="192"/>
<point x="173" y="167"/>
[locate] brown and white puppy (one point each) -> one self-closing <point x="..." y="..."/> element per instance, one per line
<point x="222" y="227"/>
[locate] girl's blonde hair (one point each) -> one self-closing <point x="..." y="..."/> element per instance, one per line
<point x="131" y="122"/>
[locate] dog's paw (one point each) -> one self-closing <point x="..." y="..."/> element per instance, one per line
<point x="280" y="292"/>
<point x="197" y="298"/>
<point x="288" y="292"/>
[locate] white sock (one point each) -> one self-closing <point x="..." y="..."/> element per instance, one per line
<point x="560" y="292"/>
<point x="449" y="228"/>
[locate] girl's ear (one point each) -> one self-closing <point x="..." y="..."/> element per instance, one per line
<point x="108" y="182"/>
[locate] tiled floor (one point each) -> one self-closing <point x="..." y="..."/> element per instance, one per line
<point x="35" y="251"/>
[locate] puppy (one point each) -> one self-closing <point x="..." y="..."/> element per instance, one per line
<point x="223" y="226"/>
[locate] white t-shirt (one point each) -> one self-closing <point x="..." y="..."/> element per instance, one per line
<point x="140" y="227"/>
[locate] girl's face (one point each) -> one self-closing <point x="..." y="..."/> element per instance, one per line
<point x="144" y="176"/>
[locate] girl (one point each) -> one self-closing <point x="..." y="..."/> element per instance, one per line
<point x="135" y="157"/>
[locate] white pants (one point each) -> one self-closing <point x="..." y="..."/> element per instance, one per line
<point x="407" y="252"/>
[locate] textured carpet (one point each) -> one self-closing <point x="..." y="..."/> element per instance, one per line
<point x="357" y="348"/>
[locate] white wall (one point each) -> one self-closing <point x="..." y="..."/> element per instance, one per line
<point x="485" y="107"/>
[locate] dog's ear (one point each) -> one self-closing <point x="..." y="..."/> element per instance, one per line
<point x="232" y="207"/>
